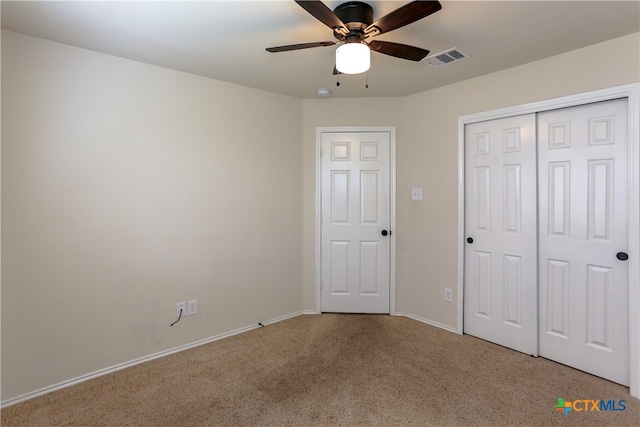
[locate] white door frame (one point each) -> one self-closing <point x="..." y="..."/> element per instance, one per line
<point x="632" y="93"/>
<point x="392" y="200"/>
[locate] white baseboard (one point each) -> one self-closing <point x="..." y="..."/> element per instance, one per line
<point x="429" y="322"/>
<point x="125" y="365"/>
<point x="121" y="366"/>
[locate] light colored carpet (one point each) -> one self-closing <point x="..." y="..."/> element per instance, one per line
<point x="334" y="369"/>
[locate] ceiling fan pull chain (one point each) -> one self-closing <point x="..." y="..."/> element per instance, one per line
<point x="366" y="82"/>
<point x="338" y="81"/>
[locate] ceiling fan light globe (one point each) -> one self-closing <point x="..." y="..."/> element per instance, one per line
<point x="353" y="58"/>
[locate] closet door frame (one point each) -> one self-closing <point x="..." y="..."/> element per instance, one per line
<point x="632" y="93"/>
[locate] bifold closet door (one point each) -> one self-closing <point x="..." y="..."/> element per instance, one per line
<point x="500" y="285"/>
<point x="583" y="230"/>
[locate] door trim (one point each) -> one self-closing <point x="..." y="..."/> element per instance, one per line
<point x="632" y="93"/>
<point x="392" y="199"/>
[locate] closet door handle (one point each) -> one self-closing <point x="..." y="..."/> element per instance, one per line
<point x="622" y="256"/>
<point x="469" y="239"/>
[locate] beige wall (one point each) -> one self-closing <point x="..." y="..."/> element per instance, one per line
<point x="127" y="188"/>
<point x="427" y="157"/>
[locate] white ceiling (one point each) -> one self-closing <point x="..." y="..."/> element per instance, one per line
<point x="226" y="40"/>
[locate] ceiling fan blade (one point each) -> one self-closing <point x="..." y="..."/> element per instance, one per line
<point x="323" y="14"/>
<point x="398" y="50"/>
<point x="299" y="46"/>
<point x="405" y="15"/>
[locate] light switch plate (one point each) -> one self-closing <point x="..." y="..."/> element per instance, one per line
<point x="416" y="194"/>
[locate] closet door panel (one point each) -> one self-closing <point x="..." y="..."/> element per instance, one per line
<point x="500" y="254"/>
<point x="583" y="224"/>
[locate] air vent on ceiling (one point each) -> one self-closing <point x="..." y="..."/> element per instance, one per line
<point x="447" y="57"/>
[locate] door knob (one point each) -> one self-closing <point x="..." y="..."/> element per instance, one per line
<point x="622" y="256"/>
<point x="385" y="232"/>
<point x="469" y="240"/>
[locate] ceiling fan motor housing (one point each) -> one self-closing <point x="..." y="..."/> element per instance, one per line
<point x="355" y="15"/>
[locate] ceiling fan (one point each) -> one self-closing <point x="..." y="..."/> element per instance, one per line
<point x="353" y="27"/>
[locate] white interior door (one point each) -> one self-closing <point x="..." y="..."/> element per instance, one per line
<point x="355" y="206"/>
<point x="583" y="225"/>
<point x="500" y="285"/>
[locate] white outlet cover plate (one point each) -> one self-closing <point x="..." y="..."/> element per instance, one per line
<point x="416" y="194"/>
<point x="179" y="306"/>
<point x="192" y="307"/>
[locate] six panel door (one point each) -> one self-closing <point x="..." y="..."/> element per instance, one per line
<point x="355" y="206"/>
<point x="583" y="225"/>
<point x="500" y="222"/>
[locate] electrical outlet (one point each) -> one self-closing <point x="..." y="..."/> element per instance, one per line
<point x="416" y="194"/>
<point x="181" y="309"/>
<point x="448" y="294"/>
<point x="192" y="307"/>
